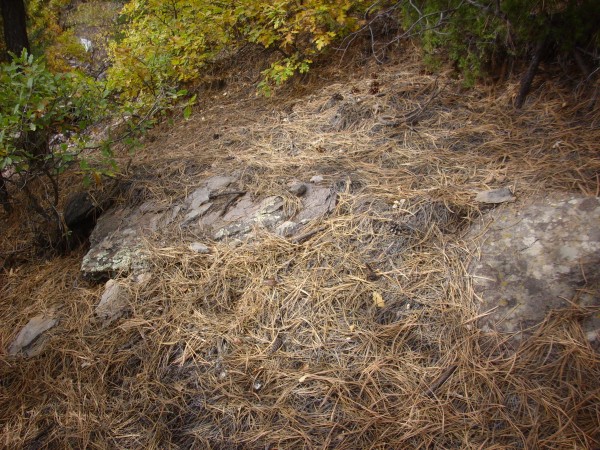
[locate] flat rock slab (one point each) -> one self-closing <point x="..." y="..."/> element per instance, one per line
<point x="218" y="209"/>
<point x="502" y="195"/>
<point x="537" y="257"/>
<point x="28" y="341"/>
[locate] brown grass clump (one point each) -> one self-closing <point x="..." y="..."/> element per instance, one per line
<point x="363" y="336"/>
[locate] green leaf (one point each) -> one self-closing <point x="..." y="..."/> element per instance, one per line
<point x="187" y="112"/>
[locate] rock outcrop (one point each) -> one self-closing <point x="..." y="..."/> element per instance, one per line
<point x="538" y="257"/>
<point x="218" y="209"/>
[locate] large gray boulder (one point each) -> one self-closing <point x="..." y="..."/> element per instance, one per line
<point x="538" y="257"/>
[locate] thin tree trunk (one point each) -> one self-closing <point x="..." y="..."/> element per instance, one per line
<point x="531" y="71"/>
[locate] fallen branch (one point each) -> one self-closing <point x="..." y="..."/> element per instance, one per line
<point x="306" y="236"/>
<point x="441" y="380"/>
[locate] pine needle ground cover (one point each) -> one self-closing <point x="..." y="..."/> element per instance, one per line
<point x="365" y="335"/>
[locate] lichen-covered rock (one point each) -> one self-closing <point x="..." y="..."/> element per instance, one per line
<point x="538" y="257"/>
<point x="216" y="208"/>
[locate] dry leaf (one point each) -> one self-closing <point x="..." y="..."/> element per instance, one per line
<point x="378" y="300"/>
<point x="302" y="379"/>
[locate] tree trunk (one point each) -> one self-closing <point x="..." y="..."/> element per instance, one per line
<point x="15" y="29"/>
<point x="4" y="197"/>
<point x="14" y="20"/>
<point x="531" y="71"/>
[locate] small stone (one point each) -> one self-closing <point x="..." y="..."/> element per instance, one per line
<point x="298" y="189"/>
<point x="316" y="179"/>
<point x="199" y="248"/>
<point x="26" y="340"/>
<point x="142" y="278"/>
<point x="235" y="243"/>
<point x="501" y="195"/>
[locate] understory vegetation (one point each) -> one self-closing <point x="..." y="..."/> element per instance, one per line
<point x="153" y="53"/>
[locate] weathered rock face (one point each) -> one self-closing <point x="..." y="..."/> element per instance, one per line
<point x="538" y="257"/>
<point x="218" y="209"/>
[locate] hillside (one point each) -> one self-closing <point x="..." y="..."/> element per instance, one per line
<point x="359" y="331"/>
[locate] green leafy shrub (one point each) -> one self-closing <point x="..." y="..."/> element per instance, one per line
<point x="35" y="105"/>
<point x="171" y="42"/>
<point x="476" y="34"/>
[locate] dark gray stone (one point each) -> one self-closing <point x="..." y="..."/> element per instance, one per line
<point x="80" y="214"/>
<point x="298" y="189"/>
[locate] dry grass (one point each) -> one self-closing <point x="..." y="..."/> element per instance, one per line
<point x="274" y="344"/>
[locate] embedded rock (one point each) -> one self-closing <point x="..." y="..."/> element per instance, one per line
<point x="216" y="209"/>
<point x="538" y="257"/>
<point x="316" y="202"/>
<point x="298" y="189"/>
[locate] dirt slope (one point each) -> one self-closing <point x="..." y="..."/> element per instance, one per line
<point x="363" y="336"/>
